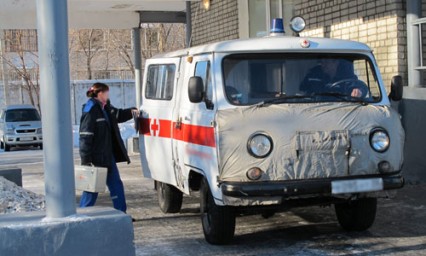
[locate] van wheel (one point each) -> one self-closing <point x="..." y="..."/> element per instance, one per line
<point x="169" y="198"/>
<point x="1" y="145"/>
<point x="41" y="146"/>
<point x="357" y="215"/>
<point x="6" y="147"/>
<point x="268" y="214"/>
<point x="218" y="221"/>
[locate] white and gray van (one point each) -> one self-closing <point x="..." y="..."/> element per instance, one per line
<point x="20" y="125"/>
<point x="262" y="125"/>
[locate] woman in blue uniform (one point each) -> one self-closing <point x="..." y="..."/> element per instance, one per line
<point x="101" y="144"/>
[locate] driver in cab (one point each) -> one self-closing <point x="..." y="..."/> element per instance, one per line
<point x="331" y="76"/>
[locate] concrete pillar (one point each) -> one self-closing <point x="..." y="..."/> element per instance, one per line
<point x="188" y="29"/>
<point x="4" y="69"/>
<point x="414" y="12"/>
<point x="52" y="26"/>
<point x="138" y="64"/>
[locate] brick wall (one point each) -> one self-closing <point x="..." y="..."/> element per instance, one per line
<point x="380" y="24"/>
<point x="218" y="23"/>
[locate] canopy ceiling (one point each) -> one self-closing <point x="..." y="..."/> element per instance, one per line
<point x="114" y="14"/>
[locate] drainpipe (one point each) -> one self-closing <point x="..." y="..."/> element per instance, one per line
<point x="188" y="29"/>
<point x="414" y="9"/>
<point x="138" y="64"/>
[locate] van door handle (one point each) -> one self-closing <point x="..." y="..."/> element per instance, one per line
<point x="178" y="124"/>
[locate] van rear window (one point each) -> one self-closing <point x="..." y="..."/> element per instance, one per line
<point x="160" y="81"/>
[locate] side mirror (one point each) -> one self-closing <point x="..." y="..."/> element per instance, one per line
<point x="397" y="88"/>
<point x="195" y="89"/>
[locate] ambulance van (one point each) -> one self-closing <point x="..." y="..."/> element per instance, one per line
<point x="266" y="124"/>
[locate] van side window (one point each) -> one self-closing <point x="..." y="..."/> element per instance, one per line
<point x="202" y="69"/>
<point x="160" y="82"/>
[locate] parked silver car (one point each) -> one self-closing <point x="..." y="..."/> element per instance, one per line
<point x="20" y="125"/>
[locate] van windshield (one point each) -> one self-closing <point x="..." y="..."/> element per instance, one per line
<point x="22" y="115"/>
<point x="320" y="77"/>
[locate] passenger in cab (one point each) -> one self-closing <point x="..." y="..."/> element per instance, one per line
<point x="234" y="96"/>
<point x="332" y="76"/>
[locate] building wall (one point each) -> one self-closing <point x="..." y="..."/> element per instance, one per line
<point x="218" y="23"/>
<point x="379" y="24"/>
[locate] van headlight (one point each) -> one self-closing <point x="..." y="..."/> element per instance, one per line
<point x="259" y="145"/>
<point x="379" y="140"/>
<point x="39" y="131"/>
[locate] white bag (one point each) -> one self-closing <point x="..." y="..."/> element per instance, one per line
<point x="90" y="178"/>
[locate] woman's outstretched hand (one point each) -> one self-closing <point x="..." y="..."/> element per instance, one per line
<point x="135" y="112"/>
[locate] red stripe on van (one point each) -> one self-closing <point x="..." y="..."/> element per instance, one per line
<point x="155" y="127"/>
<point x="195" y="134"/>
<point x="200" y="135"/>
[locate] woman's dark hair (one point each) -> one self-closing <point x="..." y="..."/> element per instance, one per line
<point x="96" y="88"/>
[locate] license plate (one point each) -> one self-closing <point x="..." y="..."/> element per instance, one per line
<point x="356" y="186"/>
<point x="26" y="139"/>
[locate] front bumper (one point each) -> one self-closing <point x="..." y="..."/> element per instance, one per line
<point x="294" y="188"/>
<point x="23" y="139"/>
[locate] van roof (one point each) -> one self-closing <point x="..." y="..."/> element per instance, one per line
<point x="23" y="106"/>
<point x="272" y="44"/>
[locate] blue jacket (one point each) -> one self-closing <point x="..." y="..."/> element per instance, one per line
<point x="100" y="139"/>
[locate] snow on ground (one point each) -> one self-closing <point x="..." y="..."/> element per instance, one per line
<point x="16" y="199"/>
<point x="127" y="131"/>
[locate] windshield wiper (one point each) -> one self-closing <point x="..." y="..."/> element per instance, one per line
<point x="283" y="99"/>
<point x="344" y="97"/>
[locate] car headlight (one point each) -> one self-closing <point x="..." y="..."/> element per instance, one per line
<point x="259" y="145"/>
<point x="379" y="140"/>
<point x="10" y="131"/>
<point x="39" y="130"/>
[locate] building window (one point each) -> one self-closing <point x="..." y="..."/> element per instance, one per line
<point x="160" y="82"/>
<point x="261" y="13"/>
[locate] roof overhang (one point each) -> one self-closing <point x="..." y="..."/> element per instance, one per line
<point x="102" y="14"/>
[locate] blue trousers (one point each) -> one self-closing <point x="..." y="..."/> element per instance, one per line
<point x="115" y="187"/>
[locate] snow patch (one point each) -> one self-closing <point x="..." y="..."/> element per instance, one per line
<point x="16" y="199"/>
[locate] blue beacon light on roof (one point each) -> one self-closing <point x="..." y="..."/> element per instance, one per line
<point x="277" y="27"/>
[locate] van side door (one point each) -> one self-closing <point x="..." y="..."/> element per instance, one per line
<point x="194" y="144"/>
<point x="155" y="126"/>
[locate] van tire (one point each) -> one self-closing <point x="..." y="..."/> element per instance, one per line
<point x="357" y="215"/>
<point x="268" y="214"/>
<point x="1" y="144"/>
<point x="169" y="198"/>
<point x="41" y="146"/>
<point x="6" y="147"/>
<point x="218" y="221"/>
